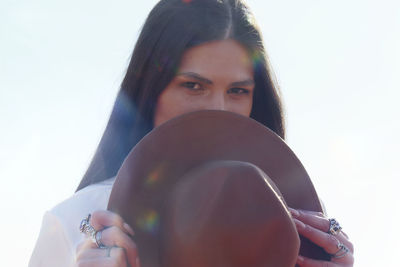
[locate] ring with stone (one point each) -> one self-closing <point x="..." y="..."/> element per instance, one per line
<point x="97" y="239"/>
<point x="86" y="228"/>
<point x="334" y="227"/>
<point x="343" y="250"/>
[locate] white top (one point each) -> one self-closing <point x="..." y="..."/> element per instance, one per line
<point x="59" y="234"/>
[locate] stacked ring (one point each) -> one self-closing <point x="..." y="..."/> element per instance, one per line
<point x="343" y="250"/>
<point x="334" y="227"/>
<point x="97" y="240"/>
<point x="86" y="228"/>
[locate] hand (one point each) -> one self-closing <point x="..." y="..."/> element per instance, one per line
<point x="120" y="249"/>
<point x="315" y="227"/>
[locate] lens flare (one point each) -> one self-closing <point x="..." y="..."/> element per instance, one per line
<point x="155" y="175"/>
<point x="149" y="221"/>
<point x="256" y="57"/>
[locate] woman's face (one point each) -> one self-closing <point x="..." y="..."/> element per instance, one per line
<point x="217" y="75"/>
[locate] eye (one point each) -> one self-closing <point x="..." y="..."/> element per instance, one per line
<point x="193" y="86"/>
<point x="239" y="91"/>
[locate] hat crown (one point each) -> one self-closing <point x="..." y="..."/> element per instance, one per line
<point x="226" y="213"/>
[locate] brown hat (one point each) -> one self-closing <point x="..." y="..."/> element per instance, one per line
<point x="211" y="188"/>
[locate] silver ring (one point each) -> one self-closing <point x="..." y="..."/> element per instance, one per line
<point x="343" y="250"/>
<point x="109" y="252"/>
<point x="97" y="239"/>
<point x="86" y="228"/>
<point x="334" y="227"/>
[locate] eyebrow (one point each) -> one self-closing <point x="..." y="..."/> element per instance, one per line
<point x="248" y="82"/>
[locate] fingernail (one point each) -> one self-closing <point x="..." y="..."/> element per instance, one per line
<point x="294" y="212"/>
<point x="299" y="224"/>
<point x="300" y="259"/>
<point x="129" y="229"/>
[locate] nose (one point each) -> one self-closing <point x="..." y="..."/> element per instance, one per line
<point x="217" y="102"/>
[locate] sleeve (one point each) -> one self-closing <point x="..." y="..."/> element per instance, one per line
<point x="52" y="247"/>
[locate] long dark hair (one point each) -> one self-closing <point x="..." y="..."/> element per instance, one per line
<point x="172" y="27"/>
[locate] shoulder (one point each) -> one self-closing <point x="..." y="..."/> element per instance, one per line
<point x="71" y="211"/>
<point x="52" y="247"/>
<point x="60" y="233"/>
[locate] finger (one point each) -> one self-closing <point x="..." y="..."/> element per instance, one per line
<point x="316" y="213"/>
<point x="315" y="219"/>
<point x="119" y="255"/>
<point x="92" y="253"/>
<point x="87" y="243"/>
<point x="114" y="236"/>
<point x="328" y="242"/>
<point x="104" y="218"/>
<point x="113" y="252"/>
<point x="318" y="221"/>
<point x="101" y="262"/>
<point x="345" y="235"/>
<point x="307" y="262"/>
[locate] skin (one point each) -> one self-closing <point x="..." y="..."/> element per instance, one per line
<point x="116" y="234"/>
<point x="217" y="75"/>
<point x="314" y="226"/>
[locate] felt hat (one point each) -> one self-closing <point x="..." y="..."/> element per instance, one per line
<point x="211" y="188"/>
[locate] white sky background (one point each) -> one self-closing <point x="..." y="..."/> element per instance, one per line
<point x="338" y="64"/>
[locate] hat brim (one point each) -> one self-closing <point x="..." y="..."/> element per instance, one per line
<point x="179" y="145"/>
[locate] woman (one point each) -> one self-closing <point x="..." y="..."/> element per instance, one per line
<point x="190" y="55"/>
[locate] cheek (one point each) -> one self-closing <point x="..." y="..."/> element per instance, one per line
<point x="169" y="105"/>
<point x="242" y="107"/>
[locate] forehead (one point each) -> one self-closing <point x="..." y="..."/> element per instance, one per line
<point x="216" y="58"/>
